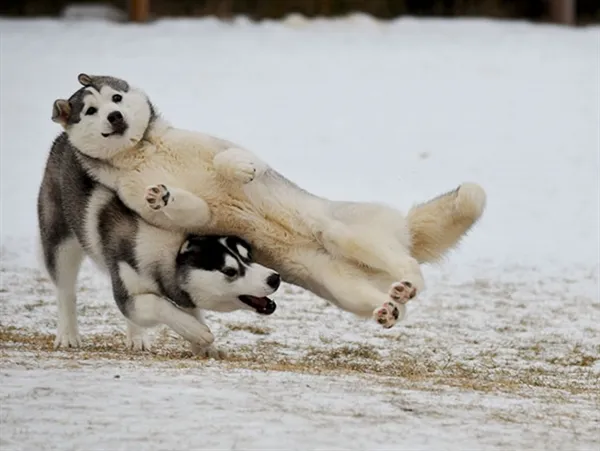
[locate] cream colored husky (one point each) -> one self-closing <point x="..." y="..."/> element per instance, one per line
<point x="363" y="257"/>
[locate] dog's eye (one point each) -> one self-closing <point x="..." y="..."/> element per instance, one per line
<point x="117" y="98"/>
<point x="91" y="110"/>
<point x="230" y="272"/>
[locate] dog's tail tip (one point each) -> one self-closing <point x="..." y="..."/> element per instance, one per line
<point x="471" y="199"/>
<point x="438" y="225"/>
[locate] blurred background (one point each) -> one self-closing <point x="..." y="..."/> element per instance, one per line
<point x="560" y="11"/>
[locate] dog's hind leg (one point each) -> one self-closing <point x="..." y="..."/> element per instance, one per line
<point x="344" y="241"/>
<point x="62" y="254"/>
<point x="350" y="288"/>
<point x="63" y="262"/>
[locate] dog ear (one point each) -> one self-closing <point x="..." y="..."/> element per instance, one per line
<point x="61" y="111"/>
<point x="191" y="244"/>
<point x="185" y="247"/>
<point x="85" y="79"/>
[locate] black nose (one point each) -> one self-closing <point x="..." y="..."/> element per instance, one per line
<point x="115" y="116"/>
<point x="274" y="280"/>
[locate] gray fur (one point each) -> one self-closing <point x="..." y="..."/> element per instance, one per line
<point x="98" y="81"/>
<point x="64" y="203"/>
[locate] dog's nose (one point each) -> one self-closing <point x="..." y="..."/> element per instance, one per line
<point x="274" y="280"/>
<point x="115" y="116"/>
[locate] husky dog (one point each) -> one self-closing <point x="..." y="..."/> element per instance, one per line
<point x="158" y="276"/>
<point x="363" y="257"/>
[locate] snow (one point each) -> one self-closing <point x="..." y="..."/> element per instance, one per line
<point x="502" y="350"/>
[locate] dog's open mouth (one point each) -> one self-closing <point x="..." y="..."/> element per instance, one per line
<point x="264" y="306"/>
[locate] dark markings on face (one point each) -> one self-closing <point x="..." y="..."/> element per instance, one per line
<point x="229" y="255"/>
<point x="99" y="81"/>
<point x="77" y="100"/>
<point x="240" y="248"/>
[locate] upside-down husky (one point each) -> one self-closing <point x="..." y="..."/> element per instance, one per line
<point x="363" y="257"/>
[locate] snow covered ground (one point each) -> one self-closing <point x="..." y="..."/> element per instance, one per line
<point x="501" y="352"/>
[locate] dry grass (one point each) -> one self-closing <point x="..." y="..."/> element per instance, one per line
<point x="399" y="369"/>
<point x="251" y="328"/>
<point x="575" y="357"/>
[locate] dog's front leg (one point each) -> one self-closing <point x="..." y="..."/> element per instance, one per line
<point x="137" y="338"/>
<point x="239" y="165"/>
<point x="210" y="351"/>
<point x="182" y="207"/>
<point x="149" y="310"/>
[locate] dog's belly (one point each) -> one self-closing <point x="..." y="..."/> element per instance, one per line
<point x="268" y="214"/>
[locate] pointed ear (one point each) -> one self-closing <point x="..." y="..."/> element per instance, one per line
<point x="185" y="247"/>
<point x="191" y="244"/>
<point x="85" y="79"/>
<point x="61" y="111"/>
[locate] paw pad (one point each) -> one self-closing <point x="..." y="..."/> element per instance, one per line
<point x="157" y="197"/>
<point x="402" y="291"/>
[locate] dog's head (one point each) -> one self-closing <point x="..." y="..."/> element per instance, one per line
<point x="104" y="117"/>
<point x="218" y="273"/>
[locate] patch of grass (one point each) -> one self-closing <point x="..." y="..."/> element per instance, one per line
<point x="33" y="305"/>
<point x="575" y="357"/>
<point x="251" y="328"/>
<point x="342" y="353"/>
<point x="427" y="370"/>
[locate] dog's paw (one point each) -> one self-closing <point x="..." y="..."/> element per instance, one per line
<point x="208" y="352"/>
<point x="240" y="170"/>
<point x="402" y="292"/>
<point x="236" y="165"/>
<point x="388" y="314"/>
<point x="67" y="339"/>
<point x="245" y="171"/>
<point x="138" y="342"/>
<point x="157" y="197"/>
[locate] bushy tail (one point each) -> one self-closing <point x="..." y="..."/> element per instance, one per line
<point x="438" y="225"/>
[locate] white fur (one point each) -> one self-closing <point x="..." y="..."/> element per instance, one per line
<point x="137" y="339"/>
<point x="350" y="253"/>
<point x="242" y="251"/>
<point x="98" y="200"/>
<point x="68" y="262"/>
<point x="135" y="109"/>
<point x="148" y="310"/>
<point x="214" y="291"/>
<point x="211" y="350"/>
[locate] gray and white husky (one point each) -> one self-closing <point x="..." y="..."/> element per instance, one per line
<point x="363" y="257"/>
<point x="158" y="276"/>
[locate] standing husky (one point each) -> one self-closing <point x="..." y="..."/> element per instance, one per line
<point x="158" y="276"/>
<point x="364" y="257"/>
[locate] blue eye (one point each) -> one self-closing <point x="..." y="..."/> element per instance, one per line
<point x="91" y="110"/>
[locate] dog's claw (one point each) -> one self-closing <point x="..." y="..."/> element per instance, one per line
<point x="244" y="172"/>
<point x="139" y="343"/>
<point x="68" y="339"/>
